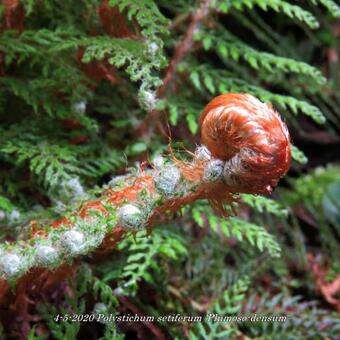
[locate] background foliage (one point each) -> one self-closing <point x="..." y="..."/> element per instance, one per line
<point x="90" y="88"/>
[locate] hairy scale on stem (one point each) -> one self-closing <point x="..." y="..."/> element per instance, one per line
<point x="245" y="149"/>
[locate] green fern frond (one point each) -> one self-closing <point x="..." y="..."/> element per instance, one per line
<point x="331" y="6"/>
<point x="242" y="230"/>
<point x="133" y="55"/>
<point x="32" y="44"/>
<point x="304" y="319"/>
<point x="263" y="204"/>
<point x="102" y="292"/>
<point x="220" y="81"/>
<point x="40" y="94"/>
<point x="228" y="46"/>
<point x="298" y="155"/>
<point x="5" y="204"/>
<point x="101" y="163"/>
<point x="142" y="254"/>
<point x="51" y="163"/>
<point x="256" y="235"/>
<point x="279" y="6"/>
<point x="312" y="187"/>
<point x="147" y="14"/>
<point x="124" y="52"/>
<point x="229" y="304"/>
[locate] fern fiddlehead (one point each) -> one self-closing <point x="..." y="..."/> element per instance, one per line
<point x="245" y="149"/>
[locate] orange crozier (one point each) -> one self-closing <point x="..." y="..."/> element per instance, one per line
<point x="251" y="137"/>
